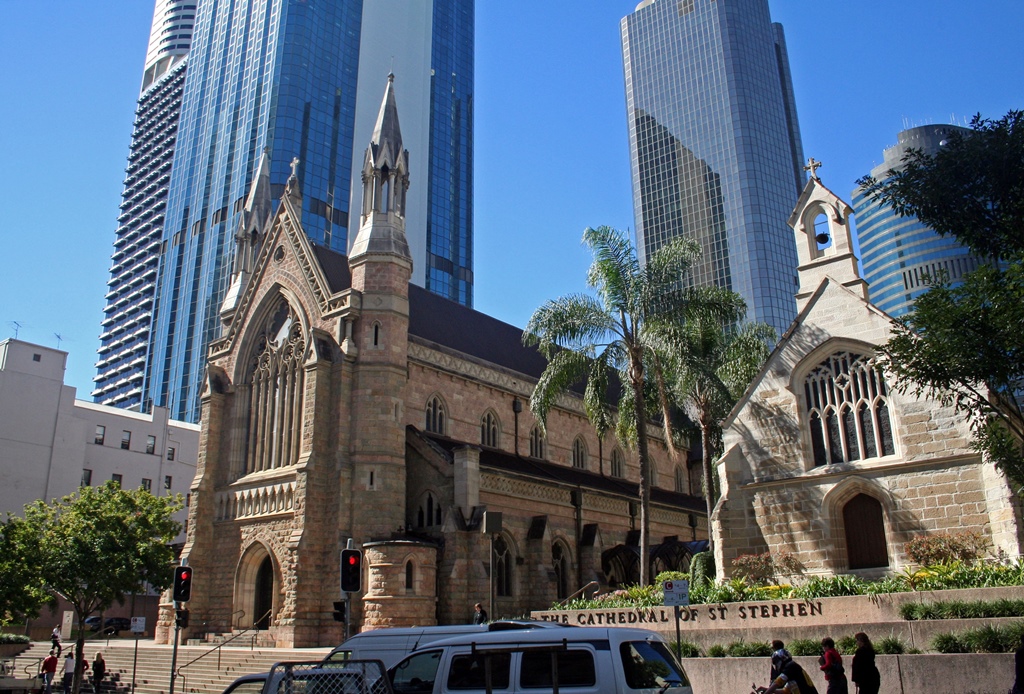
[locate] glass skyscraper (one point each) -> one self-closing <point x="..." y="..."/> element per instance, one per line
<point x="899" y="255"/>
<point x="124" y="340"/>
<point x="290" y="77"/>
<point x="715" y="144"/>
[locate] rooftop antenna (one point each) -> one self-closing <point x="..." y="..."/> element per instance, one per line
<point x="16" y="325"/>
<point x="60" y="339"/>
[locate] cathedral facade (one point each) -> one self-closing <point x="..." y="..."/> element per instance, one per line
<point x="824" y="458"/>
<point x="344" y="405"/>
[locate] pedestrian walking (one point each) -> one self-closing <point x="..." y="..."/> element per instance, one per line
<point x="55" y="640"/>
<point x="99" y="671"/>
<point x="69" y="671"/>
<point x="480" y="614"/>
<point x="863" y="671"/>
<point x="832" y="665"/>
<point x="48" y="670"/>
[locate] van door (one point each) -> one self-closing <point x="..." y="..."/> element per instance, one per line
<point x="648" y="665"/>
<point x="470" y="672"/>
<point x="416" y="674"/>
<point x="578" y="670"/>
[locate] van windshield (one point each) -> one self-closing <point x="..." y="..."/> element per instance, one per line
<point x="415" y="674"/>
<point x="649" y="665"/>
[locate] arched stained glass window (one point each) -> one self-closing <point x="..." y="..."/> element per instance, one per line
<point x="579" y="454"/>
<point x="436" y="416"/>
<point x="848" y="410"/>
<point x="503" y="562"/>
<point x="536" y="443"/>
<point x="618" y="467"/>
<point x="489" y="430"/>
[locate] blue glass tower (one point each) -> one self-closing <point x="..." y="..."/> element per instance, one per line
<point x="125" y="328"/>
<point x="715" y="144"/>
<point x="900" y="255"/>
<point x="449" y="258"/>
<point x="274" y="74"/>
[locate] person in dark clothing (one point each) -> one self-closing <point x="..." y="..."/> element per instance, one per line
<point x="792" y="680"/>
<point x="99" y="671"/>
<point x="832" y="665"/>
<point x="480" y="616"/>
<point x="863" y="671"/>
<point x="780" y="657"/>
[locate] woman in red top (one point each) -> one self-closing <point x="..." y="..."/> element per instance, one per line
<point x="832" y="665"/>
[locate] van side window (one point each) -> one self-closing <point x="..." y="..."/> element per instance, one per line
<point x="416" y="674"/>
<point x="649" y="664"/>
<point x="575" y="669"/>
<point x="468" y="671"/>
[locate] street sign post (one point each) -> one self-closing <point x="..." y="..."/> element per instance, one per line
<point x="677" y="594"/>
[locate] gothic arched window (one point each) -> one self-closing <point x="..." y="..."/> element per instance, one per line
<point x="848" y="410"/>
<point x="436" y="416"/>
<point x="579" y="454"/>
<point x="410" y="576"/>
<point x="680" y="480"/>
<point x="429" y="513"/>
<point x="503" y="562"/>
<point x="276" y="379"/>
<point x="618" y="466"/>
<point x="489" y="430"/>
<point x="536" y="443"/>
<point x="560" y="564"/>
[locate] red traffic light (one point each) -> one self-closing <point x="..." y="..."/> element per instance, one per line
<point x="353" y="560"/>
<point x="182" y="584"/>
<point x="351" y="570"/>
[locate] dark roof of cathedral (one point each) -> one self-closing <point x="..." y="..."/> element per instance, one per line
<point x="449" y="324"/>
<point x="552" y="472"/>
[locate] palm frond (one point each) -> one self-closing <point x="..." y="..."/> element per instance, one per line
<point x="576" y="322"/>
<point x="565" y="369"/>
<point x="614" y="268"/>
<point x="595" y="396"/>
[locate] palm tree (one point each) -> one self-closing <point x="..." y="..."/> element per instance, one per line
<point x="586" y="337"/>
<point x="712" y="363"/>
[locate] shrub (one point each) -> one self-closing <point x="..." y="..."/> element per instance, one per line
<point x="947" y="643"/>
<point x="942" y="548"/>
<point x="846" y="645"/>
<point x="685" y="649"/>
<point x="671" y="576"/>
<point x="716" y="651"/>
<point x="13" y="638"/>
<point x="987" y="639"/>
<point x="829" y="587"/>
<point x="755" y="568"/>
<point x="804" y="647"/>
<point x="742" y="649"/>
<point x="887" y="645"/>
<point x="702" y="569"/>
<point x="958" y="609"/>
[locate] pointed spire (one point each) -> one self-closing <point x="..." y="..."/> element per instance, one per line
<point x="387" y="135"/>
<point x="385" y="182"/>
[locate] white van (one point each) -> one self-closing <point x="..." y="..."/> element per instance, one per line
<point x="392" y="644"/>
<point x="586" y="660"/>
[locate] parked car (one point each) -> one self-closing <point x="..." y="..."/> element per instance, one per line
<point x="111" y="625"/>
<point x="348" y="677"/>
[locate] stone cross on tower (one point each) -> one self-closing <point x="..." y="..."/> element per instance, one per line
<point x="295" y="166"/>
<point x="813" y="165"/>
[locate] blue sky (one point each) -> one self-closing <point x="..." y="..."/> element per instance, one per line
<point x="551" y="150"/>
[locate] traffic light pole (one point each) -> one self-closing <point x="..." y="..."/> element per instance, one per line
<point x="174" y="651"/>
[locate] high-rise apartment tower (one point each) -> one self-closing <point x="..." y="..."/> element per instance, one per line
<point x="290" y="78"/>
<point x="715" y="144"/>
<point x="900" y="255"/>
<point x="125" y="328"/>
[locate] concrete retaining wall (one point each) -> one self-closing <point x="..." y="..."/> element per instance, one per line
<point x="901" y="674"/>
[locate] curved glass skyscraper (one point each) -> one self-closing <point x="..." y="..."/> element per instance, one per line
<point x="715" y="145"/>
<point x="900" y="254"/>
<point x="288" y="77"/>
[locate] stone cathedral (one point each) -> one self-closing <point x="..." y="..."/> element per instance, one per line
<point x="344" y="404"/>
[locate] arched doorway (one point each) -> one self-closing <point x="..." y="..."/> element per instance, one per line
<point x="865" y="533"/>
<point x="264" y="599"/>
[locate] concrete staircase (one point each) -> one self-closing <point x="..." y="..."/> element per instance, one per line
<point x="208" y="674"/>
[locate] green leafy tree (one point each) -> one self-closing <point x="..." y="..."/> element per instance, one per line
<point x="622" y="330"/>
<point x="21" y="590"/>
<point x="964" y="344"/>
<point x="95" y="547"/>
<point x="712" y="363"/>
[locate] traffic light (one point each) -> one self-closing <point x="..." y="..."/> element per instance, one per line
<point x="351" y="570"/>
<point x="181" y="619"/>
<point x="182" y="583"/>
<point x="339" y="610"/>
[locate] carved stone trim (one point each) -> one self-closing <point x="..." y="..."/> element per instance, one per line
<point x="256" y="502"/>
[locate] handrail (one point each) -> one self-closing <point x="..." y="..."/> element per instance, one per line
<point x="236" y="613"/>
<point x="179" y="674"/>
<point x="592" y="584"/>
